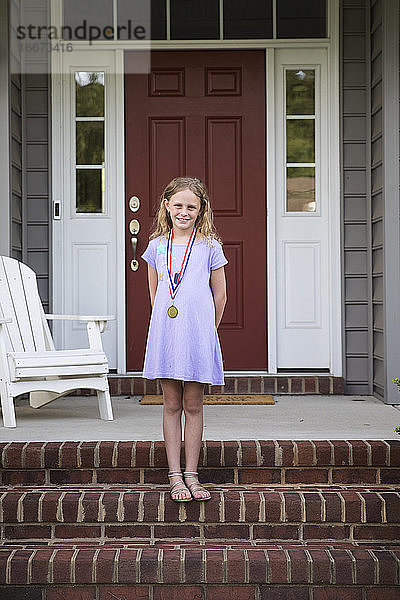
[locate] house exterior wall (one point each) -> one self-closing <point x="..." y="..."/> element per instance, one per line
<point x="355" y="203"/>
<point x="363" y="198"/>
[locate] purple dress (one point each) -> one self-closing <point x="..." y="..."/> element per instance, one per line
<point x="186" y="347"/>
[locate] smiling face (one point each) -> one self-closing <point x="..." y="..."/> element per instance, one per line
<point x="184" y="208"/>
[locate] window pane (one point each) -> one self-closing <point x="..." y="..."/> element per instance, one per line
<point x="305" y="19"/>
<point x="90" y="142"/>
<point x="89" y="94"/>
<point x="300" y="144"/>
<point x="88" y="20"/>
<point x="244" y="19"/>
<point x="300" y="189"/>
<point x="89" y="190"/>
<point x="135" y="19"/>
<point x="194" y="19"/>
<point x="300" y="92"/>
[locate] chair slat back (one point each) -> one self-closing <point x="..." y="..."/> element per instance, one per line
<point x="19" y="300"/>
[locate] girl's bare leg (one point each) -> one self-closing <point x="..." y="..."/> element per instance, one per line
<point x="193" y="394"/>
<point x="172" y="428"/>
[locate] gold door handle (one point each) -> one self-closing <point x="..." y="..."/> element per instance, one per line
<point x="134" y="262"/>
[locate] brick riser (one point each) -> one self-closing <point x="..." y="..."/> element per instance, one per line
<point x="269" y="384"/>
<point x="150" y="515"/>
<point x="326" y="529"/>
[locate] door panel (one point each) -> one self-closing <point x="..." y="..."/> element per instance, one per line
<point x="202" y="114"/>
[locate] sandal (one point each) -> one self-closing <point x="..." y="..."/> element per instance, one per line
<point x="196" y="487"/>
<point x="178" y="486"/>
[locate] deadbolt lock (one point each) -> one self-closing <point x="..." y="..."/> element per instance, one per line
<point x="134" y="227"/>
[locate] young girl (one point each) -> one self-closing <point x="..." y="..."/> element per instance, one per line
<point x="188" y="295"/>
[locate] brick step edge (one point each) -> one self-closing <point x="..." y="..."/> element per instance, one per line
<point x="267" y="384"/>
<point x="199" y="592"/>
<point x="241" y="507"/>
<point x="330" y="566"/>
<point x="213" y="454"/>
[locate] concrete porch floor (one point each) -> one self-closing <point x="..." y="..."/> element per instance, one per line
<point x="76" y="418"/>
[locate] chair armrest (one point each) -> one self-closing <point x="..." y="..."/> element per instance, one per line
<point x="81" y="318"/>
<point x="3" y="320"/>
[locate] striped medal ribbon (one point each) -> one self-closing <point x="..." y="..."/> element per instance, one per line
<point x="174" y="284"/>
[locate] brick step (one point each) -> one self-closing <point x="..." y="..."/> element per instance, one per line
<point x="331" y="566"/>
<point x="241" y="462"/>
<point x="293" y="513"/>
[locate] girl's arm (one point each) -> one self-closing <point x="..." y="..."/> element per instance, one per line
<point x="218" y="287"/>
<point x="152" y="278"/>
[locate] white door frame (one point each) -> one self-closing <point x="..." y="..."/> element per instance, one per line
<point x="57" y="120"/>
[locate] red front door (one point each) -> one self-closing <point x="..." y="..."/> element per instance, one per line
<point x="202" y="114"/>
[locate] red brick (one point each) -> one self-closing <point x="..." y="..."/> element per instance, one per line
<point x="113" y="383"/>
<point x="154" y="476"/>
<point x="352" y="506"/>
<point x="306" y="476"/>
<point x="138" y="386"/>
<point x="124" y="592"/>
<point x="299" y="566"/>
<point x="255" y="385"/>
<point x="272" y="592"/>
<point x="19" y="567"/>
<point x="176" y="531"/>
<point x="341" y="452"/>
<point x="392" y="502"/>
<point x="105" y="453"/>
<point x="151" y="502"/>
<point x="333" y="507"/>
<point x="305" y="453"/>
<point x="273" y="505"/>
<point x="373" y="507"/>
<point x="33" y="455"/>
<point x="142" y="454"/>
<point x="231" y="448"/>
<point x="313" y="504"/>
<point x="87" y="451"/>
<point x="160" y="455"/>
<point x="269" y="385"/>
<point x="217" y="475"/>
<point x="365" y="567"/>
<point x="30" y="506"/>
<point x="126" y="565"/>
<point x="278" y="567"/>
<point x="242" y="385"/>
<point x="257" y="566"/>
<point x="336" y="592"/>
<point x="321" y="566"/>
<point x="310" y="385"/>
<point x="387" y="567"/>
<point x="262" y="475"/>
<point x="117" y="476"/>
<point x="193" y="565"/>
<point x="229" y="387"/>
<point x="296" y="385"/>
<point x="390" y="475"/>
<point x="181" y="592"/>
<point x="214" y="564"/>
<point x="62" y="566"/>
<point x="69" y="455"/>
<point x="285" y="453"/>
<point x="283" y="385"/>
<point x="386" y="593"/>
<point x="326" y="532"/>
<point x="231" y="532"/>
<point x="84" y="565"/>
<point x="149" y="565"/>
<point x="20" y="593"/>
<point x="70" y="507"/>
<point x="110" y="504"/>
<point x="10" y="506"/>
<point x="171" y="564"/>
<point x="60" y="477"/>
<point x="379" y="532"/>
<point x="394" y="452"/>
<point x="379" y="451"/>
<point x="128" y="531"/>
<point x="125" y="386"/>
<point x="232" y="505"/>
<point x="151" y="387"/>
<point x="69" y="530"/>
<point x="323" y="452"/>
<point x="267" y="453"/>
<point x="236" y="592"/>
<point x="249" y="453"/>
<point x="13" y="455"/>
<point x="23" y="477"/>
<point x="40" y="565"/>
<point x="27" y="532"/>
<point x="359" y="452"/>
<point x="353" y="475"/>
<point x="124" y="454"/>
<point x="236" y="566"/>
<point x="276" y="532"/>
<point x="252" y="506"/>
<point x="343" y="567"/>
<point x="324" y="385"/>
<point x="105" y="565"/>
<point x="293" y="509"/>
<point x="338" y="385"/>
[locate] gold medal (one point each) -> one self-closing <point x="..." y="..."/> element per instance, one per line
<point x="172" y="311"/>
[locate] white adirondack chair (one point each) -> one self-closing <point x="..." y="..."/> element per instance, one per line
<point x="29" y="361"/>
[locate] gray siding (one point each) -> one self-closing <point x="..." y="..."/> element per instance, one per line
<point x="355" y="201"/>
<point x="377" y="196"/>
<point x="16" y="135"/>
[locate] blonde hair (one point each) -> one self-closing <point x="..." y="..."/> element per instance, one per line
<point x="205" y="220"/>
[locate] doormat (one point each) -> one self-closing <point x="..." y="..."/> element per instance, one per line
<point x="220" y="399"/>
